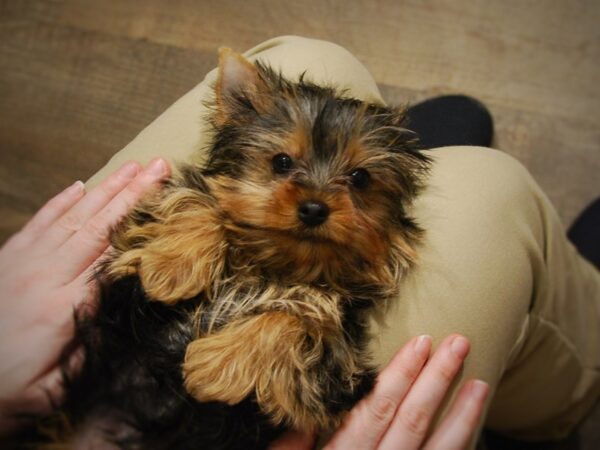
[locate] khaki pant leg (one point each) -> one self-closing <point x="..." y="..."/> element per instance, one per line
<point x="495" y="264"/>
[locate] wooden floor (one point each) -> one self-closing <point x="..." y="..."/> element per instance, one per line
<point x="79" y="78"/>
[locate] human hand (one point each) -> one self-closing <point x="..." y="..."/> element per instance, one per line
<point x="45" y="273"/>
<point x="398" y="413"/>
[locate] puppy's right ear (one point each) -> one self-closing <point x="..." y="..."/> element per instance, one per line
<point x="240" y="88"/>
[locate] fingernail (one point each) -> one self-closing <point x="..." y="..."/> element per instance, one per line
<point x="479" y="390"/>
<point x="76" y="188"/>
<point x="460" y="347"/>
<point x="129" y="170"/>
<point x="423" y="345"/>
<point x="157" y="167"/>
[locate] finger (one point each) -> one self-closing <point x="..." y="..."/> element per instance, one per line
<point x="294" y="440"/>
<point x="85" y="288"/>
<point x="76" y="217"/>
<point x="89" y="275"/>
<point x="412" y="420"/>
<point x="370" y="418"/>
<point x="461" y="423"/>
<point x="47" y="391"/>
<point x="47" y="215"/>
<point x="82" y="249"/>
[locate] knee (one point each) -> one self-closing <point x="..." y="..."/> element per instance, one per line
<point x="483" y="180"/>
<point x="323" y="62"/>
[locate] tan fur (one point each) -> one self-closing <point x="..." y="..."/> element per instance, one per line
<point x="183" y="252"/>
<point x="328" y="253"/>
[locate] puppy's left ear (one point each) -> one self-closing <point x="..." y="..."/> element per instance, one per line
<point x="240" y="88"/>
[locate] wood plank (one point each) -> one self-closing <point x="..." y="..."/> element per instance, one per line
<point x="70" y="98"/>
<point x="531" y="56"/>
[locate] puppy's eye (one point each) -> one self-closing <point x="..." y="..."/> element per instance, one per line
<point x="282" y="163"/>
<point x="360" y="178"/>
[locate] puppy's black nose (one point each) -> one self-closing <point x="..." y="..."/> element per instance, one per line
<point x="313" y="213"/>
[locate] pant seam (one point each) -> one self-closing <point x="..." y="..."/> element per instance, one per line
<point x="571" y="347"/>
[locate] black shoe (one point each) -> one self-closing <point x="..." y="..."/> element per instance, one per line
<point x="451" y="120"/>
<point x="585" y="233"/>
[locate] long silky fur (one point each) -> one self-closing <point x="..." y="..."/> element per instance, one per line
<point x="222" y="324"/>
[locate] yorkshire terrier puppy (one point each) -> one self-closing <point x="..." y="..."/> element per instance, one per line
<point x="236" y="302"/>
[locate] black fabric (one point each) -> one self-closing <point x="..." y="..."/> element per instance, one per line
<point x="451" y="120"/>
<point x="585" y="233"/>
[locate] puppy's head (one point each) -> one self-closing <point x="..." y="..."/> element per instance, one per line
<point x="315" y="185"/>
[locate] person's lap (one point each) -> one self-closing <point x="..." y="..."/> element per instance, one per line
<point x="496" y="267"/>
<point x="493" y="265"/>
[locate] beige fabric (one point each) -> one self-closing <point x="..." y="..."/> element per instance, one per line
<point x="495" y="265"/>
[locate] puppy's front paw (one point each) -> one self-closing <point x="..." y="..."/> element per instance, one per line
<point x="268" y="356"/>
<point x="296" y="374"/>
<point x="226" y="366"/>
